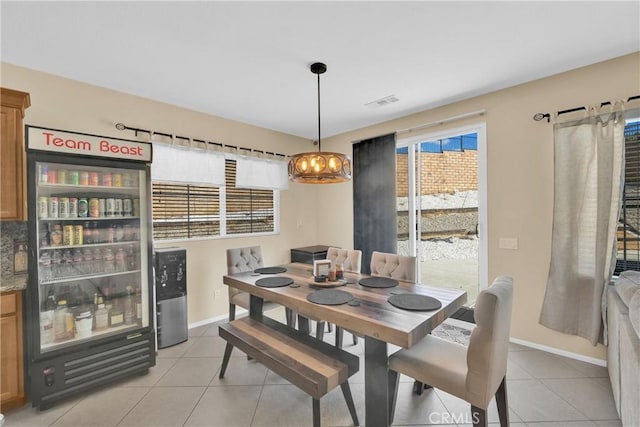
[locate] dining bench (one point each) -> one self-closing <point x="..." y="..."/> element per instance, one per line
<point x="312" y="365"/>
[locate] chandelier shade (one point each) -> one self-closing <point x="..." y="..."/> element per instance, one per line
<point x="319" y="167"/>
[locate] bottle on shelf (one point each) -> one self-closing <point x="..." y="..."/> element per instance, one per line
<point x="129" y="308"/>
<point x="66" y="267"/>
<point x="138" y="306"/>
<point x="60" y="322"/>
<point x="87" y="234"/>
<point x="78" y="262"/>
<point x="87" y="261"/>
<point x="98" y="265"/>
<point x="101" y="315"/>
<point x="120" y="260"/>
<point x="45" y="266"/>
<point x="44" y="235"/>
<point x="47" y="318"/>
<point x="116" y="316"/>
<point x="56" y="264"/>
<point x="108" y="260"/>
<point x="96" y="235"/>
<point x="56" y="235"/>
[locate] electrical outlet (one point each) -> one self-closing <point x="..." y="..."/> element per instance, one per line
<point x="217" y="293"/>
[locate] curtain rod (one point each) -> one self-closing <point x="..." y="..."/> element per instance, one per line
<point x="541" y="116"/>
<point x="121" y="126"/>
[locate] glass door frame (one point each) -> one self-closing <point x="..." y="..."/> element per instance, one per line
<point x="413" y="144"/>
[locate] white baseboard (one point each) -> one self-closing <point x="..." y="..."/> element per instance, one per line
<point x="559" y="352"/>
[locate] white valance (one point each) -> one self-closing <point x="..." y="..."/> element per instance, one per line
<point x="187" y="165"/>
<point x="261" y="174"/>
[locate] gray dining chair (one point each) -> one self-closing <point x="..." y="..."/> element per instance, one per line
<point x="240" y="260"/>
<point x="351" y="260"/>
<point x="392" y="265"/>
<point x="475" y="373"/>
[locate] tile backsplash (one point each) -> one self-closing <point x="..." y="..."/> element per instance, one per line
<point x="11" y="232"/>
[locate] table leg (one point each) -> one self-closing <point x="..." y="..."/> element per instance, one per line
<point x="255" y="306"/>
<point x="376" y="390"/>
<point x="303" y="324"/>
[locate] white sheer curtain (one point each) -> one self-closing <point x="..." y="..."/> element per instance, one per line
<point x="184" y="165"/>
<point x="588" y="169"/>
<point x="261" y="174"/>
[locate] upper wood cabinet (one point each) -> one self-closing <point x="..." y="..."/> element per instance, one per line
<point x="13" y="182"/>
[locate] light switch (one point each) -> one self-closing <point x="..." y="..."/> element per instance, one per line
<point x="508" y="243"/>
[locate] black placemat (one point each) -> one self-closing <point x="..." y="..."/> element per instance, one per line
<point x="414" y="302"/>
<point x="329" y="297"/>
<point x="378" y="282"/>
<point x="270" y="270"/>
<point x="274" y="282"/>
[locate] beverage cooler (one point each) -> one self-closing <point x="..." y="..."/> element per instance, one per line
<point x="90" y="295"/>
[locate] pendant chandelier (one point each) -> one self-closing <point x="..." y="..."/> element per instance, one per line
<point x="319" y="167"/>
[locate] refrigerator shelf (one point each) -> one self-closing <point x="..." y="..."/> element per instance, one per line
<point x="89" y="218"/>
<point x="91" y="245"/>
<point x="88" y="188"/>
<point x="93" y="336"/>
<point x="86" y="277"/>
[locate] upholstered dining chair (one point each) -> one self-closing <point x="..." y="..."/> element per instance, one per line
<point x="247" y="259"/>
<point x="351" y="260"/>
<point x="475" y="373"/>
<point x="395" y="266"/>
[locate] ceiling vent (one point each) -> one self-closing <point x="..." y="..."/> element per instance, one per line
<point x="382" y="101"/>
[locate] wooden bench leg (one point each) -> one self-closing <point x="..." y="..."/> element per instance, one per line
<point x="320" y="330"/>
<point x="316" y="412"/>
<point x="346" y="391"/>
<point x="225" y="360"/>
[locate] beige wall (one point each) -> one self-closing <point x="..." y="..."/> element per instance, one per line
<point x="70" y="105"/>
<point x="520" y="178"/>
<point x="519" y="164"/>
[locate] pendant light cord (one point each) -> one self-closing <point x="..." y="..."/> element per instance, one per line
<point x="319" y="139"/>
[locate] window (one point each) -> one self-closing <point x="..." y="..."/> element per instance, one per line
<point x="184" y="211"/>
<point x="628" y="257"/>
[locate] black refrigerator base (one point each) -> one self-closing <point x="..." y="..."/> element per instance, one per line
<point x="61" y="377"/>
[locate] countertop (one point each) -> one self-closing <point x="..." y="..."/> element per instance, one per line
<point x="13" y="283"/>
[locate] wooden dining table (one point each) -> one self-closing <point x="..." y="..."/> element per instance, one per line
<point x="373" y="317"/>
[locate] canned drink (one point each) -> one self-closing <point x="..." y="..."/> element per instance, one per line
<point x="78" y="235"/>
<point x="84" y="177"/>
<point x="126" y="180"/>
<point x="73" y="178"/>
<point x="127" y="207"/>
<point x="62" y="176"/>
<point x="53" y="207"/>
<point x="44" y="174"/>
<point x="106" y="179"/>
<point x="94" y="208"/>
<point x="118" y="207"/>
<point x="102" y="207"/>
<point x="52" y="176"/>
<point x="83" y="208"/>
<point x="93" y="178"/>
<point x="110" y="207"/>
<point x="136" y="207"/>
<point x="63" y="207"/>
<point x="67" y="235"/>
<point x="73" y="207"/>
<point x="43" y="207"/>
<point x="116" y="179"/>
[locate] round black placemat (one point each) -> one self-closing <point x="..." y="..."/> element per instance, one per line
<point x="378" y="282"/>
<point x="274" y="282"/>
<point x="270" y="270"/>
<point x="414" y="302"/>
<point x="330" y="297"/>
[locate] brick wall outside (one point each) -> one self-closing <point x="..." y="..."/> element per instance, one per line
<point x="445" y="172"/>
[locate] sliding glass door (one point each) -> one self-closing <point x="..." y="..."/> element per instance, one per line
<point x="441" y="207"/>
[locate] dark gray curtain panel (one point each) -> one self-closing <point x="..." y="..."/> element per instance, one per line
<point x="374" y="197"/>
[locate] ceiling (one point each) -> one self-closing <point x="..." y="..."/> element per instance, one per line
<point x="249" y="61"/>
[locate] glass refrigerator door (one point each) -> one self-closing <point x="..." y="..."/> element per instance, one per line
<point x="92" y="252"/>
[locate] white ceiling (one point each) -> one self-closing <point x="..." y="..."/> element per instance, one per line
<point x="248" y="61"/>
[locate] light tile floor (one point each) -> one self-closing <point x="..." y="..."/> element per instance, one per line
<point x="183" y="389"/>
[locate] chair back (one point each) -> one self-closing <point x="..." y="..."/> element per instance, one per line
<point x="395" y="266"/>
<point x="351" y="259"/>
<point x="489" y="342"/>
<point x="244" y="259"/>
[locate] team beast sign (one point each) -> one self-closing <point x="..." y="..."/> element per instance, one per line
<point x="91" y="145"/>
